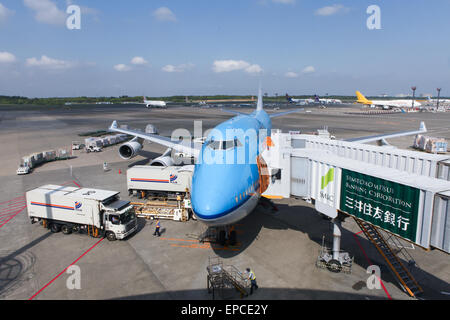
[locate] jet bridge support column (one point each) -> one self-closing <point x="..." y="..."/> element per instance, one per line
<point x="336" y="239"/>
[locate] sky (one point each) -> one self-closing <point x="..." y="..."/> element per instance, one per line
<point x="204" y="47"/>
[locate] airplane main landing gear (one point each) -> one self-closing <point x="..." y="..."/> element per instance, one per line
<point x="221" y="235"/>
<point x="227" y="235"/>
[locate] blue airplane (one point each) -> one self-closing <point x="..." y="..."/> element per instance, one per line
<point x="223" y="191"/>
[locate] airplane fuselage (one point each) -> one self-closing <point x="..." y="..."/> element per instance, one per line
<point x="226" y="185"/>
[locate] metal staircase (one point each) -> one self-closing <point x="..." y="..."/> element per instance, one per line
<point x="399" y="270"/>
<point x="221" y="278"/>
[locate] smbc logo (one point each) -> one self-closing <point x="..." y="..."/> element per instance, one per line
<point x="327" y="179"/>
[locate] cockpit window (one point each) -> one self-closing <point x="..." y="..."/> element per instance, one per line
<point x="223" y="145"/>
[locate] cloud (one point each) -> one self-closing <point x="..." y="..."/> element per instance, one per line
<point x="49" y="63"/>
<point x="254" y="68"/>
<point x="138" y="61"/>
<point x="220" y="66"/>
<point x="4" y="13"/>
<point x="164" y="14"/>
<point x="46" y="11"/>
<point x="179" y="68"/>
<point x="122" y="67"/>
<point x="309" y="69"/>
<point x="291" y="74"/>
<point x="6" y="57"/>
<point x="331" y="10"/>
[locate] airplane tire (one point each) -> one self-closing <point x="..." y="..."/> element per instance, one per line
<point x="233" y="238"/>
<point x="221" y="238"/>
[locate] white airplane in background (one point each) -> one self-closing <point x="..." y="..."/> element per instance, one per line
<point x="386" y="104"/>
<point x="154" y="103"/>
<point x="316" y="100"/>
<point x="299" y="101"/>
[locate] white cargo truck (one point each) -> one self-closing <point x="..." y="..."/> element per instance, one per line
<point x="69" y="209"/>
<point x="148" y="180"/>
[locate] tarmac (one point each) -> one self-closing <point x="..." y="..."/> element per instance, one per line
<point x="281" y="247"/>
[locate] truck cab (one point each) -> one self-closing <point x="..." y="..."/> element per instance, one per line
<point x="119" y="219"/>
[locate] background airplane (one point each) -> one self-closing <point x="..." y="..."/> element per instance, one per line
<point x="386" y="104"/>
<point x="154" y="103"/>
<point x="316" y="100"/>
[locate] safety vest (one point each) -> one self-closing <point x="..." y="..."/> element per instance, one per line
<point x="251" y="275"/>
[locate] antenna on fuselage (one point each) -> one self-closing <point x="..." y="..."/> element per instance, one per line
<point x="259" y="106"/>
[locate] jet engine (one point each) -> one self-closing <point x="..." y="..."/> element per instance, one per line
<point x="130" y="149"/>
<point x="165" y="160"/>
<point x="162" y="161"/>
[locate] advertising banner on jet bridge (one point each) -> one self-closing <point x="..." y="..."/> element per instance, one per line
<point x="389" y="205"/>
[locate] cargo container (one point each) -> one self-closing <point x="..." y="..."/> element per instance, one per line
<point x="70" y="209"/>
<point x="430" y="144"/>
<point x="147" y="180"/>
<point x="49" y="155"/>
<point x="414" y="162"/>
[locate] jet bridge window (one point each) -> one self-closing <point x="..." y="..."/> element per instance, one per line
<point x="224" y="145"/>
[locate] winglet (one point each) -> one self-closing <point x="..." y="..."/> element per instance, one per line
<point x="259" y="106"/>
<point x="423" y="128"/>
<point x="114" y="125"/>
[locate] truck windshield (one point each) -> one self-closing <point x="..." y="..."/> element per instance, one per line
<point x="127" y="217"/>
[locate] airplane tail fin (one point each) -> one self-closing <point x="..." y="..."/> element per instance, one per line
<point x="259" y="106"/>
<point x="361" y="98"/>
<point x="288" y="98"/>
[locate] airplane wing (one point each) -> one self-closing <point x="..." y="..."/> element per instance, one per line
<point x="422" y="129"/>
<point x="274" y="115"/>
<point x="165" y="141"/>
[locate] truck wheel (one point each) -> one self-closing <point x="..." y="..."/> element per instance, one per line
<point x="66" y="229"/>
<point x="111" y="236"/>
<point x="55" y="228"/>
<point x="75" y="229"/>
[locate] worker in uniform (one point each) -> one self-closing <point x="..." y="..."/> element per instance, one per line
<point x="158" y="228"/>
<point x="252" y="278"/>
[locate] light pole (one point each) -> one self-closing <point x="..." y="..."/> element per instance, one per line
<point x="414" y="95"/>
<point x="439" y="95"/>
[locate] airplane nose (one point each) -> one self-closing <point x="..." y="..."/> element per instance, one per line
<point x="214" y="190"/>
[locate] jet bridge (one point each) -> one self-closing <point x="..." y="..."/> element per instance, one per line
<point x="387" y="191"/>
